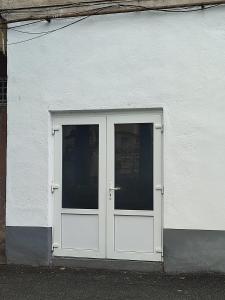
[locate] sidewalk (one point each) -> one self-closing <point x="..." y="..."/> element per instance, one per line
<point x="22" y="283"/>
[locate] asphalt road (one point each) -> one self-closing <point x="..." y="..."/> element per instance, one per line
<point x="67" y="284"/>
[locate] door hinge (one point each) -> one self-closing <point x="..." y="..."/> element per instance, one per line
<point x="54" y="246"/>
<point x="54" y="187"/>
<point x="160" y="187"/>
<point x="54" y="129"/>
<point x="158" y="250"/>
<point x="160" y="127"/>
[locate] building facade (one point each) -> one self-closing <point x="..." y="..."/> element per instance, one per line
<point x="116" y="141"/>
<point x="3" y="135"/>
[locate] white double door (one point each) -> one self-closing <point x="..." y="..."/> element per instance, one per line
<point x="107" y="185"/>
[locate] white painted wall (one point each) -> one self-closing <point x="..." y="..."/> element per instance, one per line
<point x="175" y="61"/>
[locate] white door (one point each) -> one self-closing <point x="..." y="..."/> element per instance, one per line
<point x="79" y="185"/>
<point x="107" y="177"/>
<point x="134" y="183"/>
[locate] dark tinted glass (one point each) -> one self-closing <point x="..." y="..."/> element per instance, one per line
<point x="134" y="166"/>
<point x="80" y="166"/>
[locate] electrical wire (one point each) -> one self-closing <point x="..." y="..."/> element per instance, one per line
<point x="40" y="9"/>
<point x="183" y="10"/>
<point x="59" y="28"/>
<point x="94" y="12"/>
<point x="22" y="25"/>
<point x="48" y="32"/>
<point x="56" y="6"/>
<point x="60" y="6"/>
<point x="28" y="32"/>
<point x="173" y="10"/>
<point x="71" y="5"/>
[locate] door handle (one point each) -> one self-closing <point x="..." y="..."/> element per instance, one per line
<point x="111" y="189"/>
<point x="117" y="188"/>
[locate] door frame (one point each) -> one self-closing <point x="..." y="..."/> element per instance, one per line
<point x="80" y="114"/>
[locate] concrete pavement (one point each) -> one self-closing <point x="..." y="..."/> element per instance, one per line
<point x="22" y="283"/>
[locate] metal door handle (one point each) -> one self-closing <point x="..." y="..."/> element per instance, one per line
<point x="117" y="188"/>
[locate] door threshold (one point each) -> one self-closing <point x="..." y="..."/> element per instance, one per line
<point x="107" y="264"/>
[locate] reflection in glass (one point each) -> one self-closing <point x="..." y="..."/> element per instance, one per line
<point x="80" y="166"/>
<point x="134" y="166"/>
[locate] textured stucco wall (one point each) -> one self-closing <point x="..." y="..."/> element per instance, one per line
<point x="174" y="61"/>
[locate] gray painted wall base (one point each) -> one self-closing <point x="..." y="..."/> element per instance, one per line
<point x="110" y="264"/>
<point x="184" y="251"/>
<point x="28" y="245"/>
<point x="194" y="251"/>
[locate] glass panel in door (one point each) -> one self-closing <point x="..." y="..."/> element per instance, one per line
<point x="134" y="166"/>
<point x="80" y="166"/>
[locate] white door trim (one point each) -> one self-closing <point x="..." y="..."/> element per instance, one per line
<point x="105" y="205"/>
